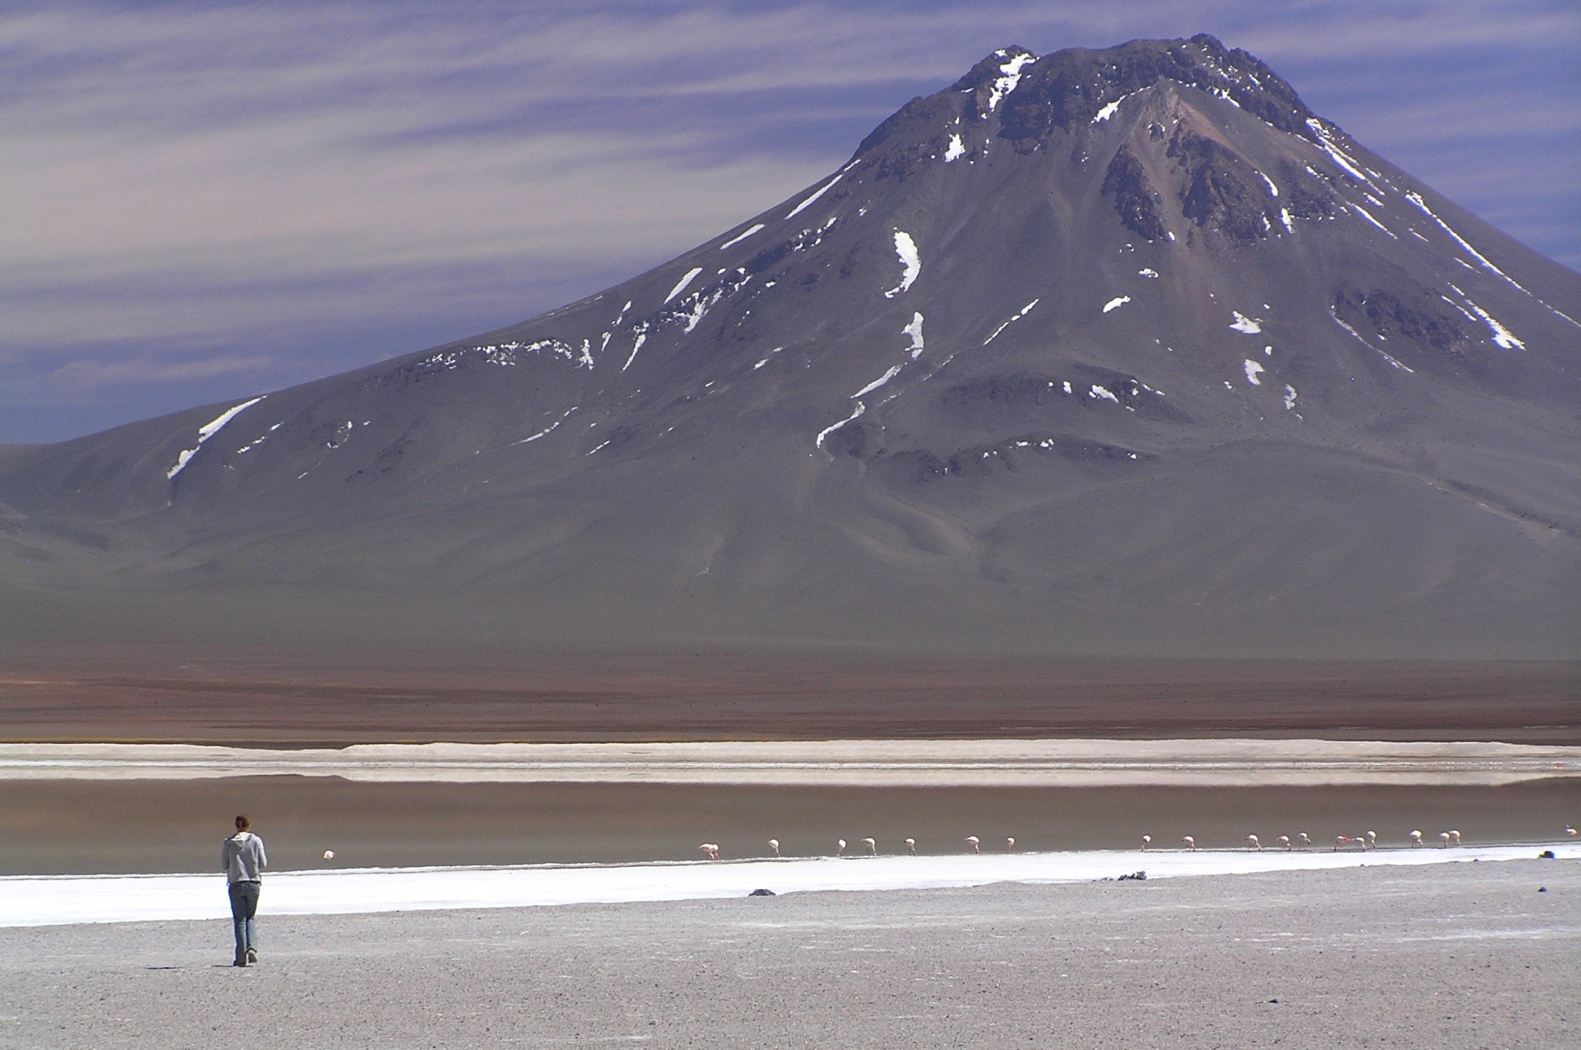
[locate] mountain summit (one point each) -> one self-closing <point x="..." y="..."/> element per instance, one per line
<point x="1107" y="351"/>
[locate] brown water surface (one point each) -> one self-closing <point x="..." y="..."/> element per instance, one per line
<point x="75" y="826"/>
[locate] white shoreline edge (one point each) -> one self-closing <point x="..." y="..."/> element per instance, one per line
<point x="51" y="900"/>
<point x="852" y="763"/>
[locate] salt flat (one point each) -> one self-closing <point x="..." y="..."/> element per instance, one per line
<point x="865" y="763"/>
<point x="60" y="900"/>
<point x="1438" y="956"/>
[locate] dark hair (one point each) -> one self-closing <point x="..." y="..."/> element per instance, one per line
<point x="242" y="823"/>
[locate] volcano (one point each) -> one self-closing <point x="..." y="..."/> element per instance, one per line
<point x="1116" y="351"/>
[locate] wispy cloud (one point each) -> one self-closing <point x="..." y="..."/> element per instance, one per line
<point x="154" y="370"/>
<point x="261" y="183"/>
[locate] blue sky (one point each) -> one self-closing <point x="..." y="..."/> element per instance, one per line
<point x="202" y="201"/>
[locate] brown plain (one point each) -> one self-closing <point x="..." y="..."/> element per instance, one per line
<point x="296" y="698"/>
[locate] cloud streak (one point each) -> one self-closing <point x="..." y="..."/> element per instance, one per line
<point x="222" y="182"/>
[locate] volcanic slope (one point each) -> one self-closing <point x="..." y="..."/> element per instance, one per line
<point x="1118" y="351"/>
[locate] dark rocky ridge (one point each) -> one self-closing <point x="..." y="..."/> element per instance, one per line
<point x="1177" y="368"/>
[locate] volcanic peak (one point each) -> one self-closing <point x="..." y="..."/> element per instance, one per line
<point x="1065" y="90"/>
<point x="1187" y="347"/>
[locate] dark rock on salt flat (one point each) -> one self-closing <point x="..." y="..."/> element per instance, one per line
<point x="1109" y="351"/>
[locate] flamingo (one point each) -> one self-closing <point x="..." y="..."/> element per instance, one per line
<point x="911" y="846"/>
<point x="1010" y="845"/>
<point x="1444" y="837"/>
<point x="1305" y="842"/>
<point x="1191" y="843"/>
<point x="1455" y="835"/>
<point x="774" y="846"/>
<point x="972" y="841"/>
<point x="840" y="844"/>
<point x="1340" y="840"/>
<point x="329" y="854"/>
<point x="1258" y="846"/>
<point x="1147" y="840"/>
<point x="710" y="850"/>
<point x="872" y="847"/>
<point x="1372" y="840"/>
<point x="1416" y="838"/>
<point x="1284" y="840"/>
<point x="1570" y="831"/>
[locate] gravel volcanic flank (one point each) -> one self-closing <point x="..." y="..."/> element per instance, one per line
<point x="1118" y="351"/>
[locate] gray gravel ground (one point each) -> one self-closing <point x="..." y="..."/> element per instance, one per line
<point x="1453" y="955"/>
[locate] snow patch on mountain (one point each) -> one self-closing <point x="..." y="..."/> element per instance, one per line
<point x="910" y="261"/>
<point x="743" y="235"/>
<point x="1115" y="303"/>
<point x="914" y="330"/>
<point x="208" y="430"/>
<point x="261" y="438"/>
<point x="890" y="373"/>
<point x="641" y="332"/>
<point x="1011" y="320"/>
<point x="546" y="431"/>
<point x="826" y="431"/>
<point x="1416" y="199"/>
<point x="680" y="286"/>
<point x="1010" y="76"/>
<point x="1357" y="336"/>
<point x="1244" y="324"/>
<point x="1253" y="370"/>
<point x="1111" y="108"/>
<point x="955" y="149"/>
<point x="819" y="192"/>
<point x="1327" y="144"/>
<point x="1501" y="335"/>
<point x="1365" y="214"/>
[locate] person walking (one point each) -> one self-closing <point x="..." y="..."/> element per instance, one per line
<point x="243" y="860"/>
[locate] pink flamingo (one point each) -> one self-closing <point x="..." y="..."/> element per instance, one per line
<point x="1570" y="831"/>
<point x="1010" y="845"/>
<point x="1258" y="846"/>
<point x="1284" y="840"/>
<point x="972" y="841"/>
<point x="1456" y="836"/>
<point x="1340" y="840"/>
<point x="774" y="846"/>
<point x="1304" y="840"/>
<point x="872" y="847"/>
<point x="1443" y="836"/>
<point x="1191" y="843"/>
<point x="911" y="846"/>
<point x="1147" y="840"/>
<point x="840" y="847"/>
<point x="1416" y="838"/>
<point x="710" y="850"/>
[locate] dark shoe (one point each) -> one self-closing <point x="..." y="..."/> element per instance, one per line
<point x="252" y="956"/>
<point x="239" y="962"/>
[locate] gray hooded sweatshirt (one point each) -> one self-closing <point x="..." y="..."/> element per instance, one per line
<point x="242" y="857"/>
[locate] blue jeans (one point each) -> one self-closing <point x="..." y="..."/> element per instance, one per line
<point x="244" y="905"/>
